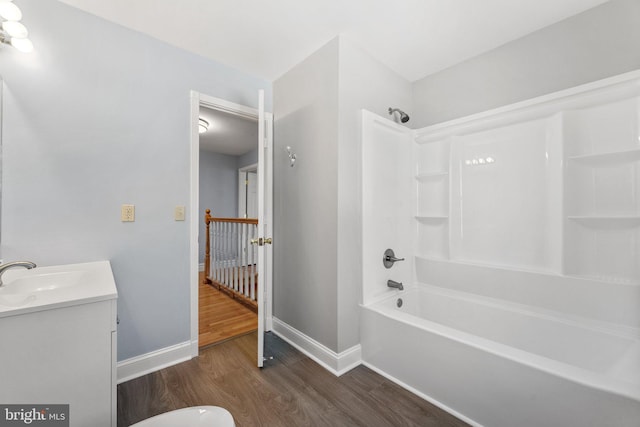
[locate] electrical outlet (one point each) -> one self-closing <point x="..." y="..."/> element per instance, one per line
<point x="128" y="213"/>
<point x="179" y="213"/>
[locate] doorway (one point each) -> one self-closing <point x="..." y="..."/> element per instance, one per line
<point x="228" y="146"/>
<point x="227" y="207"/>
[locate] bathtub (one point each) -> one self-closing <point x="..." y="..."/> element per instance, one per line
<point x="498" y="363"/>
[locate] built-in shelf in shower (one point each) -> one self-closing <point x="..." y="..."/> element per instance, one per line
<point x="609" y="158"/>
<point x="628" y="219"/>
<point x="605" y="278"/>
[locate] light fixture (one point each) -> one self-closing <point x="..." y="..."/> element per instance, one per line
<point x="15" y="29"/>
<point x="203" y="125"/>
<point x="10" y="11"/>
<point x="12" y="32"/>
<point x="23" y="45"/>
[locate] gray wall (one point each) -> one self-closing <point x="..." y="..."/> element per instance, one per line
<point x="249" y="158"/>
<point x="218" y="190"/>
<point x="305" y="197"/>
<point x="99" y="116"/>
<point x="595" y="44"/>
<point x="318" y="262"/>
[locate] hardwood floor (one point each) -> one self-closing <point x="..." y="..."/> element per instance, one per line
<point x="291" y="390"/>
<point x="220" y="317"/>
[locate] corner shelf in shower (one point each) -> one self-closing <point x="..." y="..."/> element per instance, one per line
<point x="605" y="278"/>
<point x="609" y="158"/>
<point x="595" y="219"/>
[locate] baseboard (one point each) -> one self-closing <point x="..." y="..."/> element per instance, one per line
<point x="154" y="361"/>
<point x="423" y="396"/>
<point x="336" y="363"/>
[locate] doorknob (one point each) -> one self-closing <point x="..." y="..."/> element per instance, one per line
<point x="261" y="241"/>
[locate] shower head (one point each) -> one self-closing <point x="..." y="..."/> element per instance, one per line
<point x="404" y="117"/>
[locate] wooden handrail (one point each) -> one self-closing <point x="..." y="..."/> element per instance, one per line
<point x="236" y="220"/>
<point x="208" y="219"/>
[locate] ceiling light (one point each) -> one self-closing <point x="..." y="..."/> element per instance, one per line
<point x="203" y="125"/>
<point x="15" y="29"/>
<point x="10" y="11"/>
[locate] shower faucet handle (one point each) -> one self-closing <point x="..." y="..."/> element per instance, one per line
<point x="389" y="258"/>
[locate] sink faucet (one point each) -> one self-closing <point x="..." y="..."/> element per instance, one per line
<point x="4" y="267"/>
<point x="394" y="284"/>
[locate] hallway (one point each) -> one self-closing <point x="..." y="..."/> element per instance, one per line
<point x="220" y="317"/>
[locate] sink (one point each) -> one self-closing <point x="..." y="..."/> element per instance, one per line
<point x="25" y="290"/>
<point x="55" y="286"/>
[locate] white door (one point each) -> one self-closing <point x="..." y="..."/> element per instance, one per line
<point x="265" y="179"/>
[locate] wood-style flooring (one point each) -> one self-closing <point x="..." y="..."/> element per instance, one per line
<point x="220" y="317"/>
<point x="289" y="391"/>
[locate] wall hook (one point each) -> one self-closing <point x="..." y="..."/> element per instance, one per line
<point x="292" y="156"/>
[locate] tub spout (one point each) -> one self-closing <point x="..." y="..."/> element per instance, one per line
<point x="394" y="284"/>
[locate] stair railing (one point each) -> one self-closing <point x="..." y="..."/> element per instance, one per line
<point x="230" y="258"/>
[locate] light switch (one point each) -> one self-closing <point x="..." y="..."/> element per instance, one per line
<point x="128" y="213"/>
<point x="179" y="213"/>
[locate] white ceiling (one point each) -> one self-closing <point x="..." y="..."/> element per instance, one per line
<point x="267" y="38"/>
<point x="228" y="134"/>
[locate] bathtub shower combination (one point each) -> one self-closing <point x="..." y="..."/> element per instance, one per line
<point x="521" y="232"/>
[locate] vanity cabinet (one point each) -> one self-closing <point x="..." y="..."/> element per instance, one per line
<point x="63" y="353"/>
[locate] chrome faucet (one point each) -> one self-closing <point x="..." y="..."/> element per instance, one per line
<point x="4" y="267"/>
<point x="394" y="284"/>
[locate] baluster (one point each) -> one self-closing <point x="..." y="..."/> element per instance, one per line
<point x="238" y="254"/>
<point x="226" y="255"/>
<point x="222" y="250"/>
<point x="236" y="284"/>
<point x="230" y="254"/>
<point x="253" y="272"/>
<point x="245" y="243"/>
<point x="218" y="243"/>
<point x="214" y="251"/>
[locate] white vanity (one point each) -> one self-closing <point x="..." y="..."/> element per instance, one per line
<point x="58" y="335"/>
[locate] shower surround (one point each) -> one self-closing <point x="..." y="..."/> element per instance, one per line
<point x="521" y="229"/>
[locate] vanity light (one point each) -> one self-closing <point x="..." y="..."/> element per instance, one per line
<point x="12" y="32"/>
<point x="10" y="11"/>
<point x="15" y="29"/>
<point x="23" y="45"/>
<point x="203" y="125"/>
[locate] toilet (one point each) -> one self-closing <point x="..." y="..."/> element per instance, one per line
<point x="196" y="416"/>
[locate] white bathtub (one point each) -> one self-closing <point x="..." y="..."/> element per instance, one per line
<point x="498" y="363"/>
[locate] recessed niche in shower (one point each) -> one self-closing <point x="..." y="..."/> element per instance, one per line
<point x="432" y="159"/>
<point x="433" y="196"/>
<point x="601" y="128"/>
